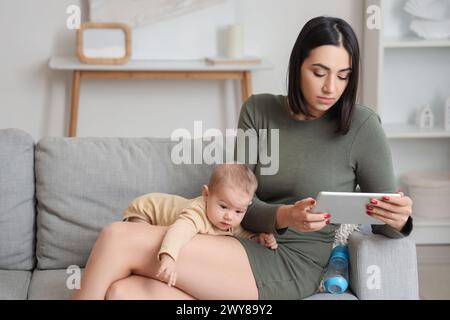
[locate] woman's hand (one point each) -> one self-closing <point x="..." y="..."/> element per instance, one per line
<point x="302" y="219"/>
<point x="392" y="211"/>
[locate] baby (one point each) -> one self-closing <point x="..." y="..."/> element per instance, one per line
<point x="218" y="211"/>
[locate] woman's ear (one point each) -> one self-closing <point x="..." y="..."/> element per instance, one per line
<point x="205" y="192"/>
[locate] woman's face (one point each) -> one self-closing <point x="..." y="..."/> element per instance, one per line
<point x="324" y="77"/>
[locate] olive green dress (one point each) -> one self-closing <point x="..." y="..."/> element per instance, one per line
<point x="312" y="158"/>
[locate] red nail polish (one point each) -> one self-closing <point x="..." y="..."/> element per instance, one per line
<point x="373" y="201"/>
<point x="328" y="216"/>
<point x="369" y="208"/>
<point x="386" y="198"/>
<point x="369" y="213"/>
<point x="327" y="222"/>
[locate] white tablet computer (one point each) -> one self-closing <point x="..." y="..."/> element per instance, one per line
<point x="348" y="207"/>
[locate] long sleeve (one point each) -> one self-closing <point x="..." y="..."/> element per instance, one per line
<point x="181" y="232"/>
<point x="372" y="162"/>
<point x="260" y="216"/>
<point x="242" y="233"/>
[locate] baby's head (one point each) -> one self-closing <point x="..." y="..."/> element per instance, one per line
<point x="228" y="194"/>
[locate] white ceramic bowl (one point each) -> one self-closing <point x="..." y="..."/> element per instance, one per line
<point x="429" y="9"/>
<point x="431" y="30"/>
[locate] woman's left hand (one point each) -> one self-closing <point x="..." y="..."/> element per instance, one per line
<point x="394" y="211"/>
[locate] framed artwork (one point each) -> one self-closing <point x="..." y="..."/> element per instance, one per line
<point x="136" y="13"/>
<point x="104" y="43"/>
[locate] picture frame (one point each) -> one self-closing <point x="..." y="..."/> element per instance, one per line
<point x="104" y="43"/>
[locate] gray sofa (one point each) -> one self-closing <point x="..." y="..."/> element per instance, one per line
<point x="56" y="195"/>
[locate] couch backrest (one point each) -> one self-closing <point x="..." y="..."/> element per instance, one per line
<point x="83" y="184"/>
<point x="17" y="201"/>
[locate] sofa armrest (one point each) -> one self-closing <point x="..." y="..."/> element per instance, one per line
<point x="382" y="268"/>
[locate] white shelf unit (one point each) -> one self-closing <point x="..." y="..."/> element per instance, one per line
<point x="412" y="42"/>
<point x="431" y="231"/>
<point x="407" y="131"/>
<point x="401" y="73"/>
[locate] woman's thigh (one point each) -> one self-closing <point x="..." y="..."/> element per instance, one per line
<point x="143" y="288"/>
<point x="208" y="267"/>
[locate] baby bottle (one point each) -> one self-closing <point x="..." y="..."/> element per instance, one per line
<point x="336" y="277"/>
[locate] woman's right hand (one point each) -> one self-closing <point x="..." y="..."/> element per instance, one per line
<point x="303" y="219"/>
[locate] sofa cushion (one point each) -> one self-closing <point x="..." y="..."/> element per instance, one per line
<point x="329" y="296"/>
<point x="83" y="184"/>
<point x="14" y="284"/>
<point x="17" y="201"/>
<point x="50" y="285"/>
<point x="383" y="268"/>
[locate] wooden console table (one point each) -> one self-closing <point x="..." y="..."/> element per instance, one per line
<point x="151" y="69"/>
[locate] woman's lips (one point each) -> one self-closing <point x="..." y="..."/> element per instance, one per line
<point x="325" y="100"/>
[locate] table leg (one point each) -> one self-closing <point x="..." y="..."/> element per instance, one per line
<point x="74" y="104"/>
<point x="246" y="85"/>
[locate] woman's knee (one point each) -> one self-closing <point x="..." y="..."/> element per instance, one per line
<point x="113" y="230"/>
<point x="118" y="230"/>
<point x="115" y="235"/>
<point x="133" y="287"/>
<point x="132" y="234"/>
<point x="117" y="291"/>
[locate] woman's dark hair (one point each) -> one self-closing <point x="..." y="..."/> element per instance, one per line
<point x="318" y="32"/>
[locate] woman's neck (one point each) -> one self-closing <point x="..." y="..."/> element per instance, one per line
<point x="302" y="117"/>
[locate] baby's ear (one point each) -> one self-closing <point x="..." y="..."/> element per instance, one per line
<point x="205" y="191"/>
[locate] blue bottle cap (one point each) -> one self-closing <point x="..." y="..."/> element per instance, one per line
<point x="336" y="284"/>
<point x="340" y="251"/>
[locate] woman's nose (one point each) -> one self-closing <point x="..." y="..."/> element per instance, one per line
<point x="329" y="86"/>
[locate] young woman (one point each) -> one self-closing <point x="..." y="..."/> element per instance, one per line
<point x="327" y="142"/>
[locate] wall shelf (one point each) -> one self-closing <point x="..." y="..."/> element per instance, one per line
<point x="431" y="231"/>
<point x="404" y="131"/>
<point x="410" y="42"/>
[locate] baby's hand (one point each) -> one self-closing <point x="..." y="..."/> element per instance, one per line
<point x="268" y="240"/>
<point x="167" y="270"/>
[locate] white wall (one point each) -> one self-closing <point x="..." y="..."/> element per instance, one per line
<point x="36" y="99"/>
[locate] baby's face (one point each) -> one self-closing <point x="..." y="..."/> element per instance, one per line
<point x="226" y="207"/>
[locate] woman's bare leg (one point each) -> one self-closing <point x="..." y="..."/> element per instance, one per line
<point x="209" y="267"/>
<point x="143" y="288"/>
<point x="107" y="263"/>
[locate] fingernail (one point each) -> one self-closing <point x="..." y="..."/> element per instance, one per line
<point x="386" y="198"/>
<point x="327" y="216"/>
<point x="373" y="201"/>
<point x="327" y="222"/>
<point x="369" y="208"/>
<point x="369" y="213"/>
